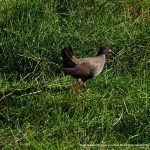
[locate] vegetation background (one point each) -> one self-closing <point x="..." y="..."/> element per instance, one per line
<point x="36" y="108"/>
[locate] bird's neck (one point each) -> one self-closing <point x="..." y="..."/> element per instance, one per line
<point x="100" y="53"/>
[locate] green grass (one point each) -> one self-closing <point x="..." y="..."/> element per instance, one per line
<point x="37" y="110"/>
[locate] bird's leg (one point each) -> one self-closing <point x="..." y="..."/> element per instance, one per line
<point x="76" y="85"/>
<point x="85" y="86"/>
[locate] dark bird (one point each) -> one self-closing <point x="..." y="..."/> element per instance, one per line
<point x="83" y="69"/>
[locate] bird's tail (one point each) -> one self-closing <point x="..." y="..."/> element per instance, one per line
<point x="67" y="56"/>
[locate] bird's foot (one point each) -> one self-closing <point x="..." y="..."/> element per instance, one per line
<point x="88" y="90"/>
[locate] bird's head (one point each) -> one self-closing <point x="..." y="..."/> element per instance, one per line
<point x="103" y="50"/>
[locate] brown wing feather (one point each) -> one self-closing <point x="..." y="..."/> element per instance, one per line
<point x="84" y="71"/>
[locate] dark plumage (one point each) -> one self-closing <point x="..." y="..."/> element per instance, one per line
<point x="83" y="69"/>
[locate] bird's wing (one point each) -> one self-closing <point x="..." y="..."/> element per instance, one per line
<point x="84" y="70"/>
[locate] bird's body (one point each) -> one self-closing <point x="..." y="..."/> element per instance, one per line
<point x="82" y="69"/>
<point x="86" y="68"/>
